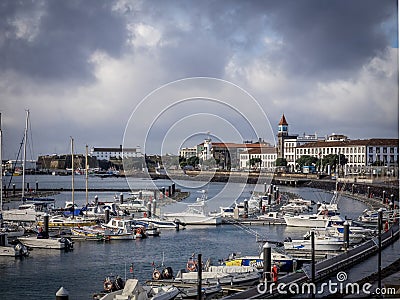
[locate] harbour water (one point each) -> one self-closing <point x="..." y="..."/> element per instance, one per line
<point x="83" y="270"/>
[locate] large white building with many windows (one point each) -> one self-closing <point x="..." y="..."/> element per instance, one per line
<point x="359" y="153"/>
<point x="104" y="153"/>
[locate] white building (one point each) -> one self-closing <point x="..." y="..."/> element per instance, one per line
<point x="359" y="153"/>
<point x="188" y="152"/>
<point x="107" y="153"/>
<point x="268" y="156"/>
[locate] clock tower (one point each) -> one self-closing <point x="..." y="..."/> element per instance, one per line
<point x="282" y="134"/>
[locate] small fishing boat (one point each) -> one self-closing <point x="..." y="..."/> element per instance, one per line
<point x="47" y="242"/>
<point x="116" y="229"/>
<point x="283" y="261"/>
<point x="134" y="290"/>
<point x="211" y="275"/>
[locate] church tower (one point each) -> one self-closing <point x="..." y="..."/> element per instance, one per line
<point x="282" y="134"/>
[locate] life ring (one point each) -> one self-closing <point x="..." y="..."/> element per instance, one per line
<point x="138" y="231"/>
<point x="156" y="275"/>
<point x="191" y="266"/>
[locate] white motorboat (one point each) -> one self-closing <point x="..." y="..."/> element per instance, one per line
<point x="133" y="290"/>
<point x="26" y="212"/>
<point x="300" y="201"/>
<point x="322" y="242"/>
<point x="6" y="249"/>
<point x="224" y="275"/>
<point x="338" y="232"/>
<point x="294" y="208"/>
<point x="157" y="222"/>
<point x="196" y="214"/>
<point x="135" y="205"/>
<point x="327" y="213"/>
<point x="47" y="243"/>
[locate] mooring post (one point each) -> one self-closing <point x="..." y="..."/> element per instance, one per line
<point x="379" y="249"/>
<point x="46" y="225"/>
<point x="149" y="209"/>
<point x="199" y="275"/>
<point x="173" y="189"/>
<point x="107" y="215"/>
<point x="62" y="294"/>
<point x="266" y="262"/>
<point x="313" y="260"/>
<point x="121" y="198"/>
<point x="346" y="234"/>
<point x="383" y="197"/>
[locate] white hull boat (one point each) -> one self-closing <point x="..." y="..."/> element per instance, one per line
<point x="320" y="245"/>
<point x="196" y="214"/>
<point x="47" y="243"/>
<point x="158" y="222"/>
<point x="133" y="290"/>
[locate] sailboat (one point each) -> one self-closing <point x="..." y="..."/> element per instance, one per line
<point x="26" y="212"/>
<point x="73" y="220"/>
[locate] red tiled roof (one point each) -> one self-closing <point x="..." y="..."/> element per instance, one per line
<point x="283" y="120"/>
<point x="369" y="142"/>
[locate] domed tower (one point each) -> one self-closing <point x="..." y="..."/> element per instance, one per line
<point x="282" y="134"/>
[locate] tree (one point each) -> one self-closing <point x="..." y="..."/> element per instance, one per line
<point x="281" y="162"/>
<point x="306" y="160"/>
<point x="254" y="161"/>
<point x="193" y="161"/>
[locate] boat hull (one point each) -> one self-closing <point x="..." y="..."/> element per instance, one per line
<point x="323" y="245"/>
<point x="50" y="243"/>
<point x="194" y="219"/>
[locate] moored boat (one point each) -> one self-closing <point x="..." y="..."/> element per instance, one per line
<point x="196" y="214"/>
<point x="134" y="290"/>
<point x="47" y="243"/>
<point x="16" y="250"/>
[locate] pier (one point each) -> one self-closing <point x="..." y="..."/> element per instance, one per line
<point x="326" y="268"/>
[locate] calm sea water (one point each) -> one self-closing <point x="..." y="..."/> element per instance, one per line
<point x="83" y="270"/>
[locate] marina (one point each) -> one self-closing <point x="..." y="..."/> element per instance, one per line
<point x="93" y="258"/>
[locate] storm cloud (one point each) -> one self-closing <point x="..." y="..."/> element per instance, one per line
<point x="82" y="67"/>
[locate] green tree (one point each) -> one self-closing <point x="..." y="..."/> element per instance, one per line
<point x="193" y="161"/>
<point x="281" y="162"/>
<point x="254" y="161"/>
<point x="306" y="160"/>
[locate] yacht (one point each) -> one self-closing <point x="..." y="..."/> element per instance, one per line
<point x="196" y="214"/>
<point x="327" y="214"/>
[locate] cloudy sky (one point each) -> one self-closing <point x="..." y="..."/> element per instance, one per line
<point x="86" y="69"/>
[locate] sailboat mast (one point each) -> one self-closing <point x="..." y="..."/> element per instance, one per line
<point x="86" y="175"/>
<point x="24" y="159"/>
<point x="72" y="182"/>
